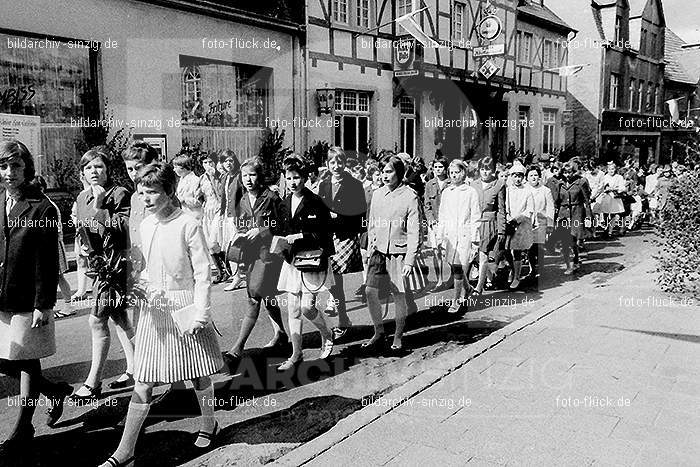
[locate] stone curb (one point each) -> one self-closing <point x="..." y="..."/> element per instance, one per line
<point x="446" y="363"/>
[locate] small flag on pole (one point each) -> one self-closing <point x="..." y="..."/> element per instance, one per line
<point x="673" y="108"/>
<point x="410" y="25"/>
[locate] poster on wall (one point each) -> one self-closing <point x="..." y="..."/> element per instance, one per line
<point x="159" y="143"/>
<point x="25" y="128"/>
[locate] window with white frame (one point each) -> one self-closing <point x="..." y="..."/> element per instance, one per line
<point x="631" y="95"/>
<point x="407" y="106"/>
<point x="656" y="98"/>
<point x="524" y="47"/>
<point x="614" y="91"/>
<point x="547" y="54"/>
<point x="340" y="11"/>
<point x="352" y="120"/>
<point x="549" y="128"/>
<point x="404" y="7"/>
<point x="640" y="97"/>
<point x="618" y="29"/>
<point x="556" y="55"/>
<point x="648" y="104"/>
<point x="458" y="17"/>
<point x="362" y="17"/>
<point x="523" y="128"/>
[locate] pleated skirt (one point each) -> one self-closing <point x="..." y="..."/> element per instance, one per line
<point x="163" y="355"/>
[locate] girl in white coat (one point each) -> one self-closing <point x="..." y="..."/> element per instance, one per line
<point x="457" y="231"/>
<point x="177" y="281"/>
<point x="544" y="217"/>
<point x="520" y="208"/>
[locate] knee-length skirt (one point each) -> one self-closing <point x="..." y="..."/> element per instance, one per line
<point x="294" y="281"/>
<point x="211" y="224"/>
<point x="162" y="354"/>
<point x="19" y="341"/>
<point x="488" y="233"/>
<point x="347" y="257"/>
<point x="523" y="237"/>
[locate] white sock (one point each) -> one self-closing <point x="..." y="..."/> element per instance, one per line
<point x="134" y="421"/>
<point x="206" y="401"/>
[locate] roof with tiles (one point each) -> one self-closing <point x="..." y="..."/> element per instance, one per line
<point x="682" y="65"/>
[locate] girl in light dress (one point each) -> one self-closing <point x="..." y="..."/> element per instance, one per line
<point x="544" y="218"/>
<point x="189" y="189"/>
<point x="457" y="229"/>
<point x="520" y="208"/>
<point x="609" y="201"/>
<point x="177" y="280"/>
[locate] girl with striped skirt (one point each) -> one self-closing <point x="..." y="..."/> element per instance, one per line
<point x="177" y="283"/>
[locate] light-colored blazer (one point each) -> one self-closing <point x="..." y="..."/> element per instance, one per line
<point x="185" y="258"/>
<point x="394" y="223"/>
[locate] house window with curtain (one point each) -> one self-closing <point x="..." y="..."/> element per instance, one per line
<point x="340" y="11"/>
<point x="547" y="61"/>
<point x="524" y="49"/>
<point x="407" y="106"/>
<point x="352" y="119"/>
<point x="223" y="94"/>
<point x="549" y="127"/>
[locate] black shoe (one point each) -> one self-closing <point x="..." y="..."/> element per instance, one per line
<point x="54" y="413"/>
<point x="93" y="395"/>
<point x="121" y="384"/>
<point x="231" y="362"/>
<point x="360" y="292"/>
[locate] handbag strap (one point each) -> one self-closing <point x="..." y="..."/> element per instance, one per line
<point x="325" y="276"/>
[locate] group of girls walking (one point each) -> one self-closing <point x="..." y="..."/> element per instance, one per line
<point x="150" y="255"/>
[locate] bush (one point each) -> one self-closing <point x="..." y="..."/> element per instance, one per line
<point x="272" y="153"/>
<point x="679" y="240"/>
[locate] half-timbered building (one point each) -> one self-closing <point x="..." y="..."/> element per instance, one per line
<point x="489" y="80"/>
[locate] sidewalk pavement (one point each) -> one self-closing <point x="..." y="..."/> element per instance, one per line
<point x="609" y="375"/>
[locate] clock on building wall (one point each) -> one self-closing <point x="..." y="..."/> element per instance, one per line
<point x="490" y="27"/>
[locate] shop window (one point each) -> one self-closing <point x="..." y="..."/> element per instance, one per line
<point x="221" y="94"/>
<point x="352" y="117"/>
<point x="549" y="126"/>
<point x="56" y="80"/>
<point x="407" y="106"/>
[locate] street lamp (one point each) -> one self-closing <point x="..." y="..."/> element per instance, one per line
<point x="325" y="98"/>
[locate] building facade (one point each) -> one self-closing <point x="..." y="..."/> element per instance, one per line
<point x="616" y="100"/>
<point x="682" y="86"/>
<point x="164" y="71"/>
<point x="464" y="97"/>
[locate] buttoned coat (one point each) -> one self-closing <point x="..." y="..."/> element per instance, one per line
<point x="187" y="265"/>
<point x="311" y="219"/>
<point x="28" y="253"/>
<point x="349" y="204"/>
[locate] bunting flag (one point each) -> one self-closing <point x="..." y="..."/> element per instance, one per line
<point x="569" y="70"/>
<point x="673" y="109"/>
<point x="410" y="25"/>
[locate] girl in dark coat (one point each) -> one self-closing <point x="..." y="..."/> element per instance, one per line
<point x="28" y="280"/>
<point x="259" y="217"/>
<point x="305" y="222"/>
<point x="344" y="195"/>
<point x="103" y="225"/>
<point x="572" y="213"/>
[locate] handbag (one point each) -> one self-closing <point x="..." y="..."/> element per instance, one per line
<point x="310" y="260"/>
<point x="240" y="251"/>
